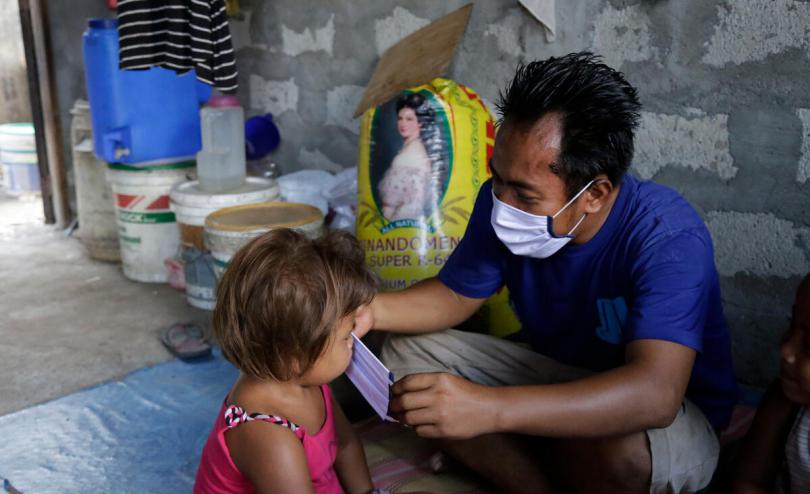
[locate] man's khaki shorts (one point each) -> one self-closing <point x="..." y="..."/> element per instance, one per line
<point x="684" y="455"/>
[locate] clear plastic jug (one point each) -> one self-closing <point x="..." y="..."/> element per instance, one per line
<point x="221" y="163"/>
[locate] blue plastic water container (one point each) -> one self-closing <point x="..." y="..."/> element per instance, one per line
<point x="139" y="116"/>
<point x="261" y="136"/>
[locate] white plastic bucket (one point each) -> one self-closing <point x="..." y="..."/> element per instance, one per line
<point x="191" y="206"/>
<point x="18" y="137"/>
<point x="227" y="230"/>
<point x="18" y="156"/>
<point x="147" y="231"/>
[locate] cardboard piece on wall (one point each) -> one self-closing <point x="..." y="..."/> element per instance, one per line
<point x="543" y="11"/>
<point x="416" y="59"/>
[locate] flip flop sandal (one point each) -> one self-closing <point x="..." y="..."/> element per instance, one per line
<point x="10" y="488"/>
<point x="185" y="341"/>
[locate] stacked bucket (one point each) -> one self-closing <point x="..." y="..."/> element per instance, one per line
<point x="192" y="206"/>
<point x="177" y="172"/>
<point x="146" y="127"/>
<point x="94" y="198"/>
<point x="147" y="228"/>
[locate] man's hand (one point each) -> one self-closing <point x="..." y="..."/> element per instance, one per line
<point x="425" y="307"/>
<point x="444" y="405"/>
<point x="363" y="320"/>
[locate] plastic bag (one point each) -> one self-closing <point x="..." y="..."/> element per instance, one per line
<point x="342" y="198"/>
<point x="307" y="186"/>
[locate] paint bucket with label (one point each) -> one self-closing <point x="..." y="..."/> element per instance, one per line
<point x="201" y="281"/>
<point x="147" y="230"/>
<point x="191" y="206"/>
<point x="227" y="230"/>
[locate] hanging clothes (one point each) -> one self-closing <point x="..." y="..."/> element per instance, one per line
<point x="179" y="35"/>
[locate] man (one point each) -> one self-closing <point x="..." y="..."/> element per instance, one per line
<point x="623" y="374"/>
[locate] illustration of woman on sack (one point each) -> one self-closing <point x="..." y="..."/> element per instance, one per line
<point x="409" y="189"/>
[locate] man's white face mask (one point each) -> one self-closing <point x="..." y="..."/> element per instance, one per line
<point x="526" y="234"/>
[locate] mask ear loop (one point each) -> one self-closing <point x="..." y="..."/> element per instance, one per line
<point x="582" y="191"/>
<point x="587" y="186"/>
<point x="578" y="223"/>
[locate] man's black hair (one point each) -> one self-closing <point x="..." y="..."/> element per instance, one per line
<point x="599" y="113"/>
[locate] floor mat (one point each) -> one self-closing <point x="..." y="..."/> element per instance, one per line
<point x="400" y="462"/>
<point x="141" y="434"/>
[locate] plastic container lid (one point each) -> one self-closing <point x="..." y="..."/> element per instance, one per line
<point x="102" y="23"/>
<point x="218" y="101"/>
<point x="254" y="189"/>
<point x="252" y="217"/>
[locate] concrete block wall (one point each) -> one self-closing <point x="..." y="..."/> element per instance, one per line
<point x="725" y="86"/>
<point x="14" y="102"/>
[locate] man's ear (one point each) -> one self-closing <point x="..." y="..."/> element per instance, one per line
<point x="598" y="193"/>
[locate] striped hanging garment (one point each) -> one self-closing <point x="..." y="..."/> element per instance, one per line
<point x="179" y="35"/>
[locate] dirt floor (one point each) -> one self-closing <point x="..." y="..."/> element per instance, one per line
<point x="67" y="321"/>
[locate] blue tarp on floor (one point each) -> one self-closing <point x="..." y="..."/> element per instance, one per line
<point x="142" y="434"/>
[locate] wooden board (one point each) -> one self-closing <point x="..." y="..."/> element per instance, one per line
<point x="416" y="59"/>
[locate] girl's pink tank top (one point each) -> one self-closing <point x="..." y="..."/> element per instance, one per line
<point x="218" y="474"/>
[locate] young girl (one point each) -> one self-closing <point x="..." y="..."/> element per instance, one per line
<point x="776" y="454"/>
<point x="286" y="309"/>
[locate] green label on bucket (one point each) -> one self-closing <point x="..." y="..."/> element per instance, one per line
<point x="146" y="218"/>
<point x="156" y="167"/>
<point x="128" y="239"/>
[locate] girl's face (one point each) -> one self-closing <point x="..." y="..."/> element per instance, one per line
<point x="407" y="123"/>
<point x="795" y="352"/>
<point x="338" y="352"/>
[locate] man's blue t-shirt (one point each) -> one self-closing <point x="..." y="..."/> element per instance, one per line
<point x="648" y="273"/>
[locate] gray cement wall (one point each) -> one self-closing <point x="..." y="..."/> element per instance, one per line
<point x="725" y="85"/>
<point x="14" y="103"/>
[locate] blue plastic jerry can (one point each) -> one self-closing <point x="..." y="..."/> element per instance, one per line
<point x="139" y="116"/>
